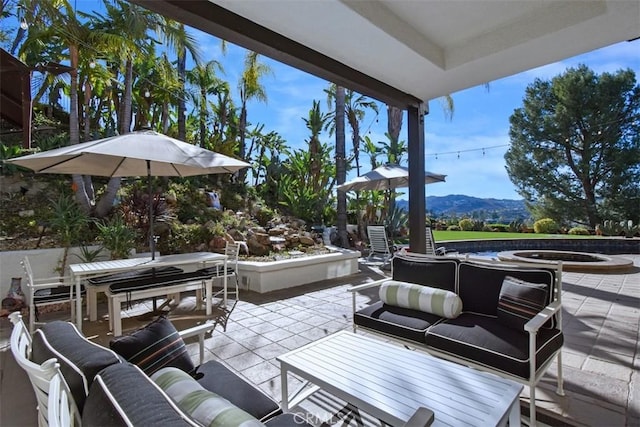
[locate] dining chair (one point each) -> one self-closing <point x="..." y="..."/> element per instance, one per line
<point x="47" y="291"/>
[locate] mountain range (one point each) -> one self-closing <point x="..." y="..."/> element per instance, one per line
<point x="468" y="206"/>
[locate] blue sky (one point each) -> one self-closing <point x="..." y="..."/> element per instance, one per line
<point x="453" y="147"/>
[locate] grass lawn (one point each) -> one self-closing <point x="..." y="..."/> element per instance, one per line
<point x="440" y="235"/>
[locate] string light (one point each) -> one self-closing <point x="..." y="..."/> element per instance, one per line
<point x="457" y="152"/>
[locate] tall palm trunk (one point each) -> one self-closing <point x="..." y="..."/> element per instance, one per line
<point x="74" y="127"/>
<point x="182" y="106"/>
<point x="106" y="201"/>
<point x="242" y="130"/>
<point x="341" y="168"/>
<point x="394" y="125"/>
<point x="88" y="182"/>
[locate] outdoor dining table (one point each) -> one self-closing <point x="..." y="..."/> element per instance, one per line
<point x="83" y="271"/>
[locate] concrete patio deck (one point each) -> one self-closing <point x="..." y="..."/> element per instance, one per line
<point x="601" y="356"/>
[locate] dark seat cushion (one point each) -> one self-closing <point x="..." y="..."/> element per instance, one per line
<point x="80" y="359"/>
<point x="488" y="341"/>
<point x="139" y="284"/>
<point x="137" y="274"/>
<point x="217" y="270"/>
<point x="122" y="395"/>
<point x="153" y="347"/>
<point x="397" y="321"/>
<point x="215" y="377"/>
<point x="57" y="293"/>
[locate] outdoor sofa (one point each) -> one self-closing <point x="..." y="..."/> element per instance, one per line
<point x="114" y="386"/>
<point x="490" y="315"/>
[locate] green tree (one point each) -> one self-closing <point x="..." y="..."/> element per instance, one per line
<point x="250" y="87"/>
<point x="204" y="78"/>
<point x="306" y="187"/>
<point x="575" y="153"/>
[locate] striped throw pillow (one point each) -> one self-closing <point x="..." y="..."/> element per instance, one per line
<point x="520" y="301"/>
<point x="155" y="346"/>
<point x="202" y="405"/>
<point x="423" y="298"/>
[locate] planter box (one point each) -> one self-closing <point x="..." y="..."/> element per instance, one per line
<point x="270" y="276"/>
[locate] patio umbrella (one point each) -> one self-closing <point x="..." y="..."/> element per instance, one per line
<point x="133" y="154"/>
<point x="385" y="178"/>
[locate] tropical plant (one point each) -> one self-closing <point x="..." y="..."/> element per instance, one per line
<point x="7" y="152"/>
<point x="397" y="220"/>
<point x="628" y="228"/>
<point x="116" y="237"/>
<point x="69" y="221"/>
<point x="250" y="87"/>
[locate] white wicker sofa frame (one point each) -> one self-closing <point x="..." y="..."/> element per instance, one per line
<point x="477" y="337"/>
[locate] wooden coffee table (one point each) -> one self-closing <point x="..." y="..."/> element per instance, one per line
<point x="390" y="382"/>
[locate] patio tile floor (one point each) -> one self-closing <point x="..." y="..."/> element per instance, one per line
<point x="601" y="357"/>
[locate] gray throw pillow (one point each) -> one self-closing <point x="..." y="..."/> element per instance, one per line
<point x="520" y="301"/>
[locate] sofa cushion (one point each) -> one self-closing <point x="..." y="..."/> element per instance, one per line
<point x="215" y="377"/>
<point x="520" y="301"/>
<point x="204" y="406"/>
<point x="397" y="321"/>
<point x="424" y="270"/>
<point x="122" y="395"/>
<point x="487" y="341"/>
<point x="153" y="347"/>
<point x="80" y="359"/>
<point x="479" y="284"/>
<point x="421" y="298"/>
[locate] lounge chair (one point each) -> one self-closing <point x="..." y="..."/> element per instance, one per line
<point x="379" y="243"/>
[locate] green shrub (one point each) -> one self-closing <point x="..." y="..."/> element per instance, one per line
<point x="453" y="228"/>
<point x="264" y="215"/>
<point x="503" y="228"/>
<point x="116" y="237"/>
<point x="579" y="231"/>
<point x="466" y="224"/>
<point x="545" y="226"/>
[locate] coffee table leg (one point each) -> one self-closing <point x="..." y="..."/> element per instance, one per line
<point x="514" y="413"/>
<point x="284" y="388"/>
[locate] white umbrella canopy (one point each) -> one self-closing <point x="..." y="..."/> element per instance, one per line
<point x="386" y="177"/>
<point x="133" y="154"/>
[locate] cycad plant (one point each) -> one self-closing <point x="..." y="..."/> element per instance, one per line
<point x="70" y="221"/>
<point x="116" y="237"/>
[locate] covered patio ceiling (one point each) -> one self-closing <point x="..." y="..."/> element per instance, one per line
<point x="407" y="52"/>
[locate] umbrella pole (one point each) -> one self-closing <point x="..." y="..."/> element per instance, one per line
<point x="152" y="242"/>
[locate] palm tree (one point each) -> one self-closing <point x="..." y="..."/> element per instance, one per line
<point x="250" y="87"/>
<point x="356" y="107"/>
<point x="129" y="24"/>
<point x="60" y="26"/>
<point x="341" y="166"/>
<point x="203" y="77"/>
<point x="181" y="41"/>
